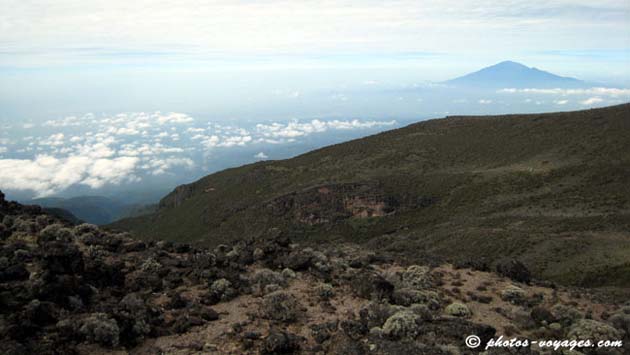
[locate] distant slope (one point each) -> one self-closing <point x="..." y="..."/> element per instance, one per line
<point x="91" y="209"/>
<point x="62" y="215"/>
<point x="510" y="74"/>
<point x="552" y="189"/>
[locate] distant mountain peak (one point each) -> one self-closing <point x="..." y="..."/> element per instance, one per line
<point x="515" y="75"/>
<point x="509" y="63"/>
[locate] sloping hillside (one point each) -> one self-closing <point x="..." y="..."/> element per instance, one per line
<point x="81" y="290"/>
<point x="551" y="189"/>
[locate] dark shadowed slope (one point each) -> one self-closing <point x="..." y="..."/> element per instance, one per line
<point x="91" y="209"/>
<point x="515" y="75"/>
<point x="552" y="189"/>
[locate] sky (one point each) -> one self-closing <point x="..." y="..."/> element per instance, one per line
<point x="107" y="94"/>
<point x="36" y="34"/>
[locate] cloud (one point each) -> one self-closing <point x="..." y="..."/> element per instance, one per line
<point x="98" y="150"/>
<point x="235" y="141"/>
<point x="561" y="102"/>
<point x="356" y="124"/>
<point x="297" y="129"/>
<point x="129" y="131"/>
<point x="173" y="118"/>
<point x="162" y="166"/>
<point x="592" y="101"/>
<point x="485" y="102"/>
<point x="261" y="156"/>
<point x="46" y="175"/>
<point x="615" y="92"/>
<point x="56" y="139"/>
<point x="193" y="130"/>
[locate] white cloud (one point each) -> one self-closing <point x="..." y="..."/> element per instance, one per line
<point x="161" y="166"/>
<point x="615" y="92"/>
<point x="68" y="121"/>
<point x="56" y="139"/>
<point x="209" y="141"/>
<point x="356" y="124"/>
<point x="110" y="171"/>
<point x="592" y="101"/>
<point x="46" y="175"/>
<point x="261" y="156"/>
<point x="128" y="131"/>
<point x="113" y="149"/>
<point x="561" y="102"/>
<point x="173" y="118"/>
<point x="195" y="130"/>
<point x="295" y="129"/>
<point x="234" y="141"/>
<point x="485" y="102"/>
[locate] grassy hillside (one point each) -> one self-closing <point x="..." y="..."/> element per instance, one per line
<point x="552" y="189"/>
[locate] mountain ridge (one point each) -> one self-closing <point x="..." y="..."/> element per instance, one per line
<point x="461" y="188"/>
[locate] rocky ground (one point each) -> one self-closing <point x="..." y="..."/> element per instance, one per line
<point x="81" y="290"/>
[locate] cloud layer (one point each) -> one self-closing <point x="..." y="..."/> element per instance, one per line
<point x="47" y="175"/>
<point x="596" y="96"/>
<point x="96" y="151"/>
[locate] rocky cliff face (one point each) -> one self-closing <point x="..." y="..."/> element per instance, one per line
<point x="331" y="203"/>
<point x="82" y="290"/>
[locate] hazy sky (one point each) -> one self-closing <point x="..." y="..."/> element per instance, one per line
<point x="574" y="36"/>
